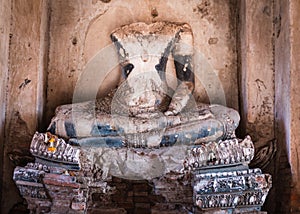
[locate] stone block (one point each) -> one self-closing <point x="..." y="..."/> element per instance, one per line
<point x="141" y="199"/>
<point x="107" y="211"/>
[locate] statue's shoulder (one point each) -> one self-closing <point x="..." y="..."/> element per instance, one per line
<point x="156" y="28"/>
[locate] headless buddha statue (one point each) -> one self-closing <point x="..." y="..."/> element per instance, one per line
<point x="144" y="111"/>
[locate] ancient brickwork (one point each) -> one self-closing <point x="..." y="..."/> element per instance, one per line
<point x="143" y="197"/>
<point x="44" y="190"/>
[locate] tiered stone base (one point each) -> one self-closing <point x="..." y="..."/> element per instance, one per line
<point x="128" y="180"/>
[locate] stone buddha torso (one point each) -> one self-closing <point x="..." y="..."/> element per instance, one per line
<point x="144" y="51"/>
<point x="144" y="111"/>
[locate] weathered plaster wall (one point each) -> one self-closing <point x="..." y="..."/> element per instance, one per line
<point x="256" y="69"/>
<point x="256" y="81"/>
<point x="79" y="30"/>
<point x="287" y="56"/>
<point x="294" y="151"/>
<point x="5" y="10"/>
<point x="282" y="102"/>
<point x="23" y="88"/>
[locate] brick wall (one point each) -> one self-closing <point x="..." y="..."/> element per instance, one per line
<point x="161" y="196"/>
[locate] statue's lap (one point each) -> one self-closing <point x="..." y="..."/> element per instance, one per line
<point x="204" y="124"/>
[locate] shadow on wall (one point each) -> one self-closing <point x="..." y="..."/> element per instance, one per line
<point x="281" y="186"/>
<point x="282" y="179"/>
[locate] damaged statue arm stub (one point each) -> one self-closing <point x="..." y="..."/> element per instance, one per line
<point x="186" y="84"/>
<point x="181" y="97"/>
<point x="183" y="61"/>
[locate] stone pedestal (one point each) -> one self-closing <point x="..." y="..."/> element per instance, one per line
<point x="207" y="178"/>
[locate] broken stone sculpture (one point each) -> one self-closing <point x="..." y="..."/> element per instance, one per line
<point x="144" y="111"/>
<point x="144" y="130"/>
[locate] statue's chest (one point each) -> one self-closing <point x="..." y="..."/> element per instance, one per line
<point x="144" y="87"/>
